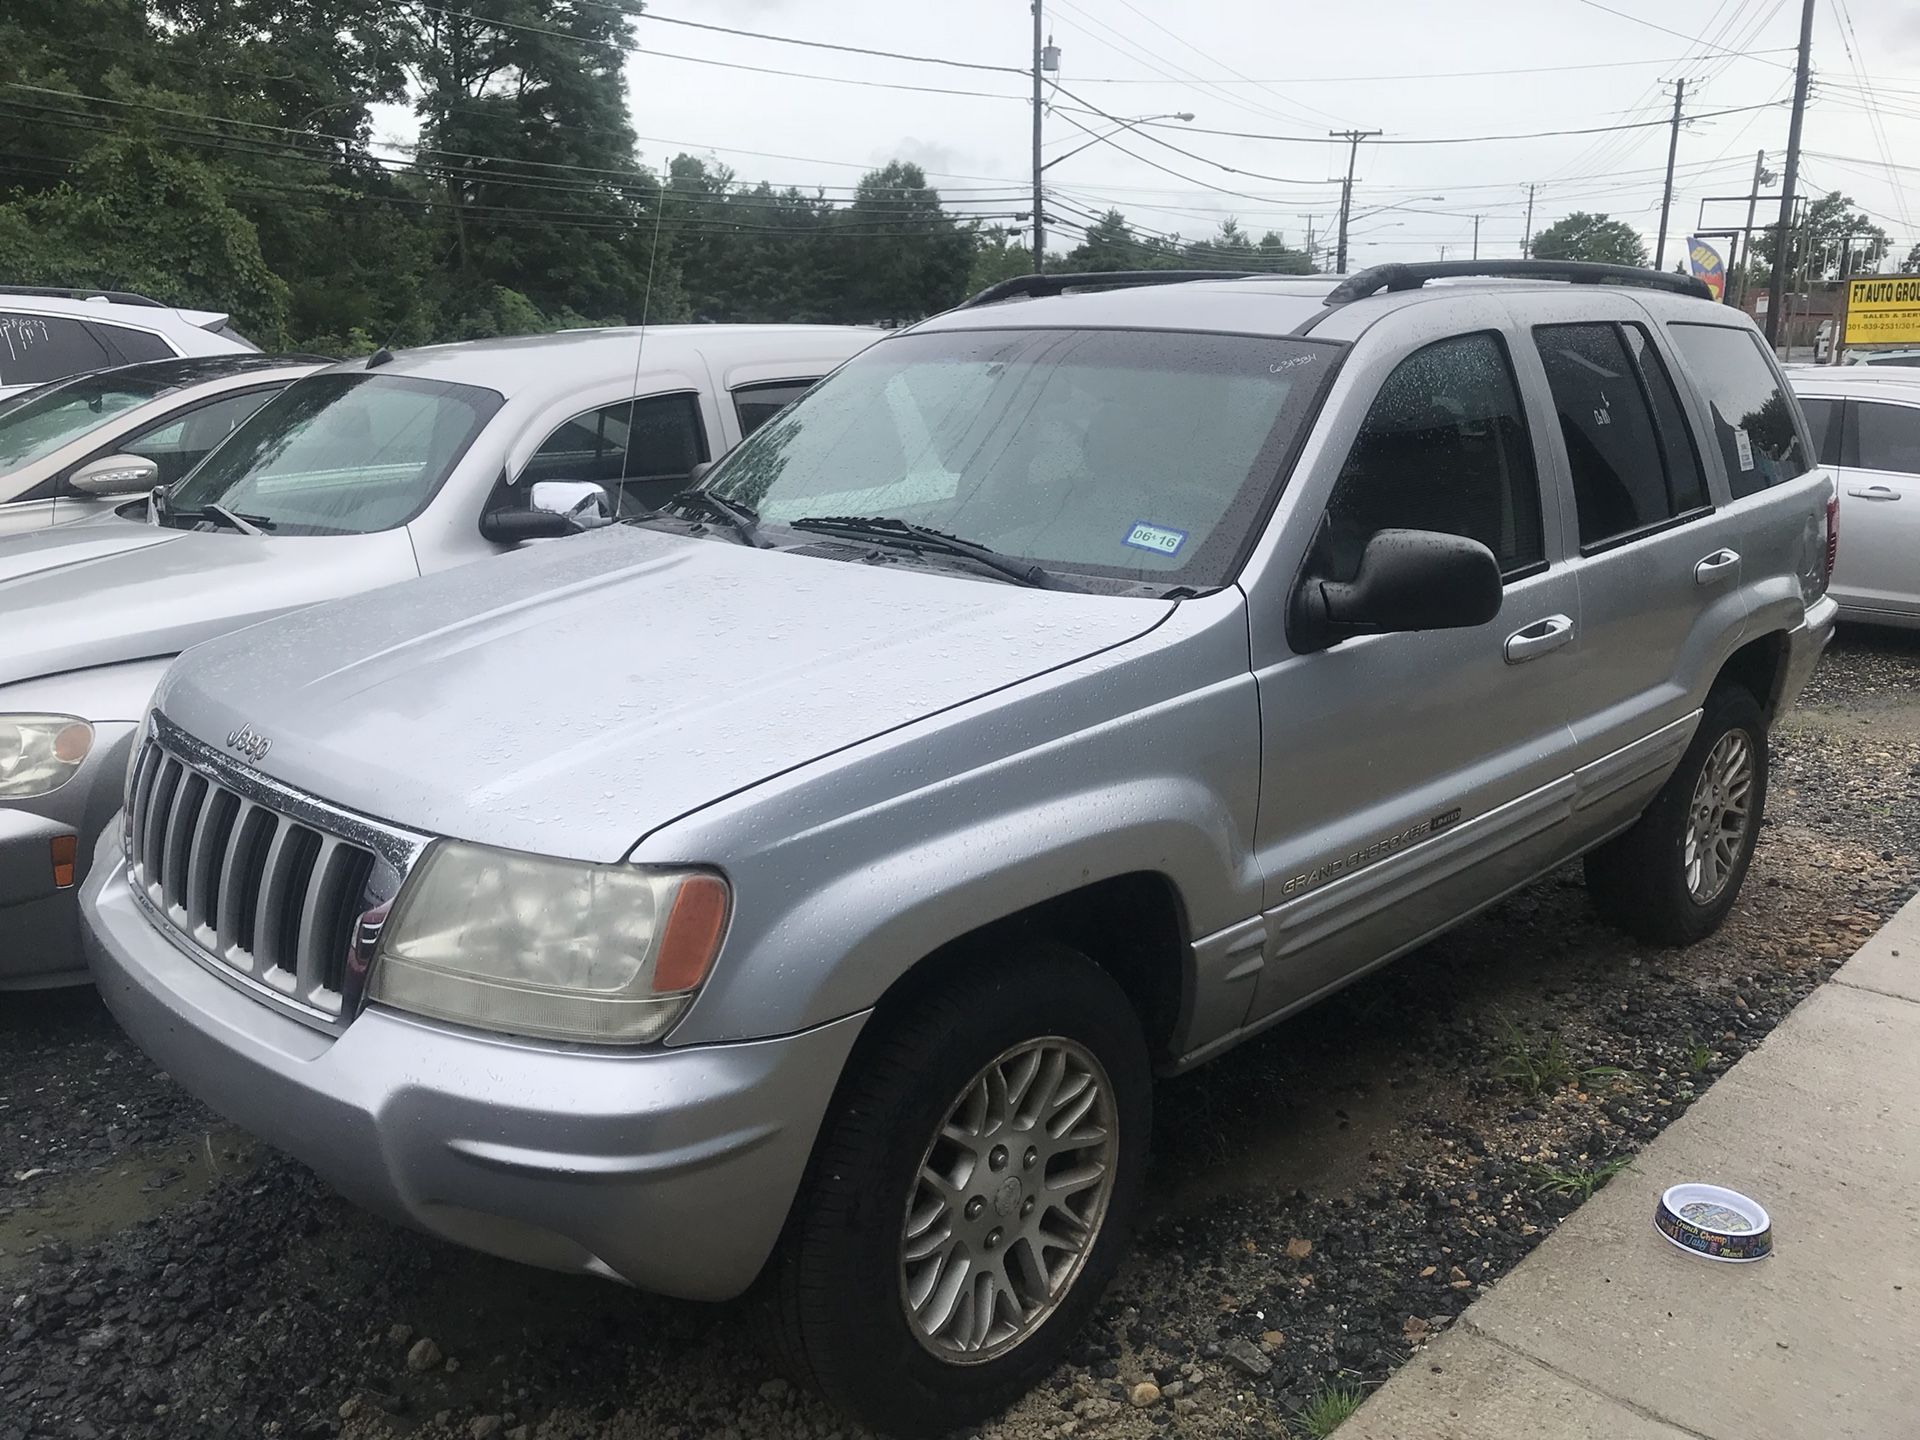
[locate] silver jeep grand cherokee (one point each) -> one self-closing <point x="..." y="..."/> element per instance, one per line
<point x="1070" y="687"/>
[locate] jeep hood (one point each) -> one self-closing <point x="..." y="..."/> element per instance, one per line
<point x="108" y="590"/>
<point x="572" y="697"/>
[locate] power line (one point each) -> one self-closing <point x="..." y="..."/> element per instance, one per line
<point x="1425" y="74"/>
<point x="1478" y="139"/>
<point x="1678" y="34"/>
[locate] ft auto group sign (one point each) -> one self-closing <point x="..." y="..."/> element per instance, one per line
<point x="1884" y="311"/>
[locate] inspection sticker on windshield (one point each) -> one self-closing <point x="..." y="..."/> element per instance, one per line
<point x="1157" y="538"/>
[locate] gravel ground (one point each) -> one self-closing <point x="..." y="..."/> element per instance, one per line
<point x="1322" y="1201"/>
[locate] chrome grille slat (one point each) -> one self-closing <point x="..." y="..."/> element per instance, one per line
<point x="259" y="895"/>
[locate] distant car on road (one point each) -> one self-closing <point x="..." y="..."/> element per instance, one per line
<point x="77" y="447"/>
<point x="1906" y="359"/>
<point x="48" y="333"/>
<point x="354" y="477"/>
<point x="1866" y="421"/>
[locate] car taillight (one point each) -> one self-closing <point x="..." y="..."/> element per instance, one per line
<point x="1833" y="533"/>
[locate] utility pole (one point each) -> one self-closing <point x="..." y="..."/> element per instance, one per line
<point x="1476" y="237"/>
<point x="1745" y="237"/>
<point x="1353" y="139"/>
<point x="1039" y="216"/>
<point x="1777" y="288"/>
<point x="1666" y="197"/>
<point x="1309" y="220"/>
<point x="1526" y="240"/>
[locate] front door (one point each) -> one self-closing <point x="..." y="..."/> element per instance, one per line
<point x="1878" y="569"/>
<point x="1407" y="779"/>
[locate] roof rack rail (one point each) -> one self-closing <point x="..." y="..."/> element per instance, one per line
<point x="1412" y="275"/>
<point x="81" y="292"/>
<point x="1034" y="286"/>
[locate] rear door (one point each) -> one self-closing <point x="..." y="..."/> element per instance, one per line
<point x="1660" y="599"/>
<point x="643" y="450"/>
<point x="1879" y="563"/>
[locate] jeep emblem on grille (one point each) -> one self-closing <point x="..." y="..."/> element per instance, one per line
<point x="248" y="742"/>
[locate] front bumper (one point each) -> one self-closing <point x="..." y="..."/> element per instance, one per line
<point x="40" y="921"/>
<point x="1805" y="644"/>
<point x="672" y="1170"/>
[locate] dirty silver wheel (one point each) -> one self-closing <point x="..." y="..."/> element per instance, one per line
<point x="1008" y="1200"/>
<point x="1718" y="820"/>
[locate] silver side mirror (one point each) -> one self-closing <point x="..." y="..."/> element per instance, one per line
<point x="582" y="504"/>
<point x="115" y="475"/>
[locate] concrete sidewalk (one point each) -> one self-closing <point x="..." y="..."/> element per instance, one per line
<point x="1607" y="1332"/>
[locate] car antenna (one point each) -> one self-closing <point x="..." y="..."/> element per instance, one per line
<point x="384" y="355"/>
<point x="646" y="307"/>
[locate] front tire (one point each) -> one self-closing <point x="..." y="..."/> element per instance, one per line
<point x="970" y="1195"/>
<point x="1673" y="877"/>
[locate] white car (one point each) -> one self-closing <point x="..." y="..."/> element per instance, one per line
<point x="49" y="334"/>
<point x="80" y="446"/>
<point x="1866" y="421"/>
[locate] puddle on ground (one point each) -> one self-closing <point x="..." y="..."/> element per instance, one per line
<point x="90" y="1204"/>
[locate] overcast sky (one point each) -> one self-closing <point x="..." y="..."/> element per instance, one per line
<point x="1293" y="69"/>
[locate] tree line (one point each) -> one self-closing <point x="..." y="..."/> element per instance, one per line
<point x="221" y="154"/>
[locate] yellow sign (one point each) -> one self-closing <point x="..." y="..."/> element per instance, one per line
<point x="1884" y="311"/>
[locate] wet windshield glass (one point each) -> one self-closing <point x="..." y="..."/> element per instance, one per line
<point x="1143" y="455"/>
<point x="339" y="454"/>
<point x="37" y="424"/>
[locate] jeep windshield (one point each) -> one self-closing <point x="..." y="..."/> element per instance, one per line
<point x="1144" y="456"/>
<point x="336" y="454"/>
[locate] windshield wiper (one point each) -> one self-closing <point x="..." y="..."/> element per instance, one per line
<point x="888" y="529"/>
<point x="232" y="519"/>
<point x="743" y="520"/>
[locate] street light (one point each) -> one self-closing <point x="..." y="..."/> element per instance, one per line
<point x="1123" y="126"/>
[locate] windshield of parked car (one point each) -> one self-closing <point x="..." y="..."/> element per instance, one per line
<point x="338" y="454"/>
<point x="38" y="423"/>
<point x="1143" y="455"/>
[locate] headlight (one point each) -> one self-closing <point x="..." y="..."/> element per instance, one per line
<point x="39" y="753"/>
<point x="608" y="954"/>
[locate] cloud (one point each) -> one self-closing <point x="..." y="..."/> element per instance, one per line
<point x="930" y="155"/>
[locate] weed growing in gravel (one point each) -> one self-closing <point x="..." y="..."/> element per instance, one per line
<point x="1699" y="1057"/>
<point x="1582" y="1182"/>
<point x="1537" y="1070"/>
<point x="1330" y="1406"/>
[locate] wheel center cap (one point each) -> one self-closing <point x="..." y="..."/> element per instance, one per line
<point x="1007" y="1198"/>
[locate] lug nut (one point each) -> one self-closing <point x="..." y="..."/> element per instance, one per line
<point x="998" y="1158"/>
<point x="1032" y="1158"/>
<point x="975" y="1206"/>
<point x="993" y="1240"/>
<point x="1026" y="1207"/>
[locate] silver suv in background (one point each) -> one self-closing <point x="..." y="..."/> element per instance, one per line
<point x="48" y="333"/>
<point x="77" y="447"/>
<point x="357" y="476"/>
<point x="1073" y="685"/>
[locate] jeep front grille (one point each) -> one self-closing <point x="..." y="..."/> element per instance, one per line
<point x="257" y="892"/>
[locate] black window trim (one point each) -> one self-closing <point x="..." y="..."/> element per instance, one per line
<point x="1589" y="548"/>
<point x="752" y="387"/>
<point x="705" y="446"/>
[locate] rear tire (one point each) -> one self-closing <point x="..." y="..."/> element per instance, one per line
<point x="905" y="1288"/>
<point x="1673" y="877"/>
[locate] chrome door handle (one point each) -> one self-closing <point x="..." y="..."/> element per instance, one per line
<point x="1716" y="566"/>
<point x="1538" y="638"/>
<point x="1876" y="492"/>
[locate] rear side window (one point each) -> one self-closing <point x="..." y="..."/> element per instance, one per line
<point x="37" y="348"/>
<point x="133" y="345"/>
<point x="1885" y="437"/>
<point x="757" y="404"/>
<point x="1823" y="419"/>
<point x="1752" y="417"/>
<point x="1631" y="471"/>
<point x="1444" y="447"/>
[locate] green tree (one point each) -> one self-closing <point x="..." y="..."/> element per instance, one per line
<point x="899" y="255"/>
<point x="1911" y="265"/>
<point x="1587" y="236"/>
<point x="998" y="254"/>
<point x="1831" y="225"/>
<point x="1108" y="244"/>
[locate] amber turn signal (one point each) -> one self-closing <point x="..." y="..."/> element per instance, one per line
<point x="66" y="850"/>
<point x="694" y="925"/>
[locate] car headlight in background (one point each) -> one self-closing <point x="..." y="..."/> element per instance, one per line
<point x="605" y="954"/>
<point x="39" y="753"/>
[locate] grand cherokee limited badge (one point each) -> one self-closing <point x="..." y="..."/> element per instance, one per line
<point x="250" y="743"/>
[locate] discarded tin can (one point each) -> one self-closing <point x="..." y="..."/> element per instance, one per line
<point x="1717" y="1224"/>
